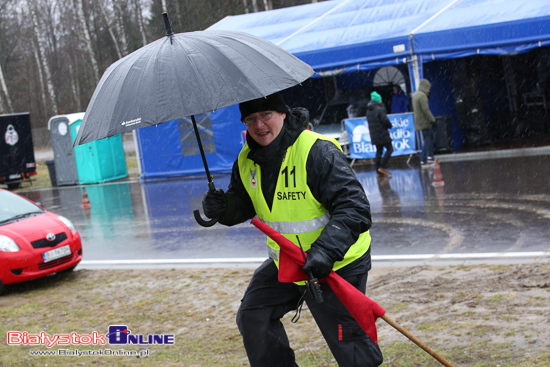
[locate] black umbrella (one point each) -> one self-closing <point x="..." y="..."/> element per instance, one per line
<point x="183" y="75"/>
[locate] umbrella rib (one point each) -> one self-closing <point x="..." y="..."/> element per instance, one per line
<point x="141" y="88"/>
<point x="195" y="73"/>
<point x="219" y="76"/>
<point x="275" y="64"/>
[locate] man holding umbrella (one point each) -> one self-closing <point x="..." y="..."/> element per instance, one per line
<point x="301" y="184"/>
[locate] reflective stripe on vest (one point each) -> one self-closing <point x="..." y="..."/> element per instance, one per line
<point x="302" y="226"/>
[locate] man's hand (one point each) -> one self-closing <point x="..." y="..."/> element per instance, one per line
<point x="214" y="203"/>
<point x="318" y="263"/>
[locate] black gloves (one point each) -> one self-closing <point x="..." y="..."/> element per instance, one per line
<point x="318" y="263"/>
<point x="214" y="203"/>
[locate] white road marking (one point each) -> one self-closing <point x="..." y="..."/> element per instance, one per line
<point x="242" y="260"/>
<point x="481" y="255"/>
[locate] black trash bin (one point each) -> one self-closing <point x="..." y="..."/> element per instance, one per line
<point x="51" y="170"/>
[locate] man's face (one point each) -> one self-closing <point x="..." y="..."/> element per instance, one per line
<point x="264" y="126"/>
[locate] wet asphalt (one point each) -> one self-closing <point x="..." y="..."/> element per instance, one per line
<point x="475" y="208"/>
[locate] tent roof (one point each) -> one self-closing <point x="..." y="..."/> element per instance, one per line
<point x="339" y="33"/>
<point x="494" y="26"/>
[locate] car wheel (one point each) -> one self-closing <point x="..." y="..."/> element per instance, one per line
<point x="12" y="186"/>
<point x="1" y="287"/>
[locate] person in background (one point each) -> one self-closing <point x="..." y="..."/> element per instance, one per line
<point x="399" y="101"/>
<point x="353" y="108"/>
<point x="424" y="121"/>
<point x="300" y="183"/>
<point x="380" y="137"/>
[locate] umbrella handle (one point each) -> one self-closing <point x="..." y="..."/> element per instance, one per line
<point x="202" y="222"/>
<point x="197" y="214"/>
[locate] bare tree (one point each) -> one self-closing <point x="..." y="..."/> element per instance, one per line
<point x="75" y="86"/>
<point x="40" y="77"/>
<point x="139" y="14"/>
<point x="107" y="23"/>
<point x="245" y="5"/>
<point x="87" y="39"/>
<point x="255" y="6"/>
<point x="6" y="92"/>
<point x="43" y="58"/>
<point x="2" y="107"/>
<point x="72" y="42"/>
<point x="120" y="27"/>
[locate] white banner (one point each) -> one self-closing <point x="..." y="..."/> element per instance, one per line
<point x="402" y="135"/>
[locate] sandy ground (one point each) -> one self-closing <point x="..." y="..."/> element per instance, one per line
<point x="497" y="304"/>
<point x="472" y="315"/>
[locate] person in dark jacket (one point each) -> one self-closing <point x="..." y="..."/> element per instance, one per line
<point x="300" y="183"/>
<point x="380" y="137"/>
<point x="399" y="101"/>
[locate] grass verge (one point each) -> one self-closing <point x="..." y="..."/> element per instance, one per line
<point x="472" y="316"/>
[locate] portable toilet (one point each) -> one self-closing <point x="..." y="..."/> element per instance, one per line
<point x="62" y="144"/>
<point x="94" y="162"/>
<point x="99" y="160"/>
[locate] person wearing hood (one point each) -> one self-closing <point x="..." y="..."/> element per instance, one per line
<point x="379" y="124"/>
<point x="424" y="121"/>
<point x="300" y="183"/>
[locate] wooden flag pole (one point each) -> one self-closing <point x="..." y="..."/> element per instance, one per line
<point x="417" y="341"/>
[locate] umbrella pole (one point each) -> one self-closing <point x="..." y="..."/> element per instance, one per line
<point x="417" y="341"/>
<point x="203" y="156"/>
<point x="211" y="186"/>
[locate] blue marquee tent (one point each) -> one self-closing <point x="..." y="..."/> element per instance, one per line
<point x="340" y="36"/>
<point x="348" y="35"/>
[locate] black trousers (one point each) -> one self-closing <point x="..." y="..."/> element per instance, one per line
<point x="266" y="301"/>
<point x="379" y="161"/>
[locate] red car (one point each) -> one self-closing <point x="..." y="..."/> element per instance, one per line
<point x="34" y="242"/>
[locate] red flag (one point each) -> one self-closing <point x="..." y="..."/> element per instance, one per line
<point x="363" y="309"/>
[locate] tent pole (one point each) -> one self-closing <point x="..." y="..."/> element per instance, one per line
<point x="416" y="74"/>
<point x="415" y="69"/>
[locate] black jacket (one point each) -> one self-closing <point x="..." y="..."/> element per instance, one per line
<point x="330" y="178"/>
<point x="378" y="123"/>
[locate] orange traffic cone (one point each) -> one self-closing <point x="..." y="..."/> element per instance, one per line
<point x="85" y="201"/>
<point x="438" y="176"/>
<point x="87" y="213"/>
<point x="440" y="194"/>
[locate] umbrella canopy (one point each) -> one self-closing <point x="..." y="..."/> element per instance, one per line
<point x="186" y="74"/>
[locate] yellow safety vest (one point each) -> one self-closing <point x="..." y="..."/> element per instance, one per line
<point x="295" y="211"/>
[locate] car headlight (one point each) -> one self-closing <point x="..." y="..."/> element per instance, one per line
<point x="68" y="223"/>
<point x="8" y="245"/>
